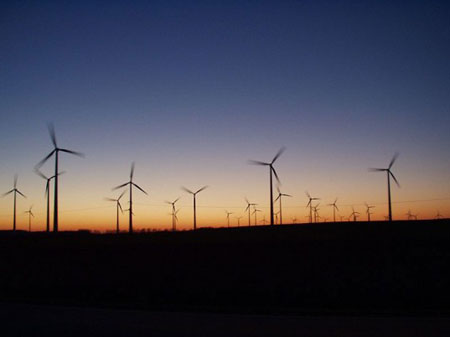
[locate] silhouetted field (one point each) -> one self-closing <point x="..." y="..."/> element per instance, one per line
<point x="333" y="268"/>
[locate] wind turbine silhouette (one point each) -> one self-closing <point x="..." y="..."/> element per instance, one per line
<point x="30" y="214"/>
<point x="276" y="217"/>
<point x="55" y="152"/>
<point x="311" y="199"/>
<point x="389" y="175"/>
<point x="316" y="212"/>
<point x="264" y="221"/>
<point x="228" y="217"/>
<point x="334" y="209"/>
<point x="368" y="211"/>
<point x="194" y="194"/>
<point x="271" y="171"/>
<point x="294" y="220"/>
<point x="118" y="207"/>
<point x="354" y="214"/>
<point x="174" y="213"/>
<point x="238" y="220"/>
<point x="438" y="215"/>
<point x="248" y="209"/>
<point x="15" y="191"/>
<point x="47" y="194"/>
<point x="131" y="183"/>
<point x="280" y="195"/>
<point x="255" y="212"/>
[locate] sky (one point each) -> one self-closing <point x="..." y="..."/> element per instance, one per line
<point x="191" y="91"/>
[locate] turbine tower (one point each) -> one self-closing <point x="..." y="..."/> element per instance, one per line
<point x="15" y="191"/>
<point x="280" y="195"/>
<point x="334" y="209"/>
<point x="194" y="194"/>
<point x="47" y="194"/>
<point x="55" y="152"/>
<point x="389" y="175"/>
<point x="248" y="209"/>
<point x="368" y="211"/>
<point x="228" y="217"/>
<point x="131" y="183"/>
<point x="311" y="199"/>
<point x="30" y="214"/>
<point x="174" y="213"/>
<point x="118" y="207"/>
<point x="271" y="171"/>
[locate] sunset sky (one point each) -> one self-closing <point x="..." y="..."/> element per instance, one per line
<point x="192" y="91"/>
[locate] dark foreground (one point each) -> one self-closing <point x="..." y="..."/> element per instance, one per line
<point x="323" y="269"/>
<point x="31" y="320"/>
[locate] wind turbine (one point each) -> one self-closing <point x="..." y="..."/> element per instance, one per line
<point x="238" y="220"/>
<point x="294" y="220"/>
<point x="194" y="194"/>
<point x="228" y="217"/>
<point x="271" y="170"/>
<point x="316" y="213"/>
<point x="15" y="191"/>
<point x="334" y="209"/>
<point x="389" y="175"/>
<point x="368" y="211"/>
<point x="131" y="183"/>
<point x="354" y="214"/>
<point x="255" y="212"/>
<point x="47" y="194"/>
<point x="264" y="221"/>
<point x="118" y="207"/>
<point x="438" y="215"/>
<point x="276" y="217"/>
<point x="55" y="152"/>
<point x="174" y="213"/>
<point x="311" y="199"/>
<point x="248" y="209"/>
<point x="280" y="195"/>
<point x="30" y="214"/>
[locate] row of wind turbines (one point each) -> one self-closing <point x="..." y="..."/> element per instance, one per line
<point x="313" y="209"/>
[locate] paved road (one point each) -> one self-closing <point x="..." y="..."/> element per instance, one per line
<point x="34" y="320"/>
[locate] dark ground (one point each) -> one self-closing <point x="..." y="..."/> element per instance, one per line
<point x="342" y="269"/>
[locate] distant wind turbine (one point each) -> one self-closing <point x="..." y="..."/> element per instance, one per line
<point x="249" y="205"/>
<point x="264" y="221"/>
<point x="118" y="207"/>
<point x="271" y="171"/>
<point x="15" y="191"/>
<point x="47" y="194"/>
<point x="30" y="214"/>
<point x="255" y="211"/>
<point x="389" y="175"/>
<point x="334" y="209"/>
<point x="55" y="152"/>
<point x="316" y="213"/>
<point x="194" y="194"/>
<point x="294" y="220"/>
<point x="354" y="214"/>
<point x="228" y="217"/>
<point x="131" y="184"/>
<point x="238" y="218"/>
<point x="280" y="195"/>
<point x="276" y="217"/>
<point x="174" y="214"/>
<point x="438" y="215"/>
<point x="368" y="211"/>
<point x="311" y="199"/>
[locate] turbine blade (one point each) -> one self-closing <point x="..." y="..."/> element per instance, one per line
<point x="395" y="179"/>
<point x="336" y="207"/>
<point x="177" y="199"/>
<point x="186" y="190"/>
<point x="203" y="188"/>
<point x="110" y="199"/>
<point x="275" y="173"/>
<point x="279" y="195"/>
<point x="15" y="180"/>
<point x="23" y="195"/>
<point x="51" y="131"/>
<point x="120" y="206"/>
<point x="307" y="194"/>
<point x="309" y="203"/>
<point x="286" y="195"/>
<point x="5" y="194"/>
<point x="47" y="187"/>
<point x="280" y="151"/>
<point x="257" y="162"/>
<point x="132" y="171"/>
<point x="38" y="165"/>
<point x="40" y="174"/>
<point x="394" y="158"/>
<point x="121" y="195"/>
<point x="120" y="186"/>
<point x="376" y="170"/>
<point x="79" y="154"/>
<point x="137" y="186"/>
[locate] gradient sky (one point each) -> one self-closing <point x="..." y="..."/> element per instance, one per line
<point x="191" y="91"/>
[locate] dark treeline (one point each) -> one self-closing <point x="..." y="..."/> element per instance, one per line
<point x="380" y="268"/>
